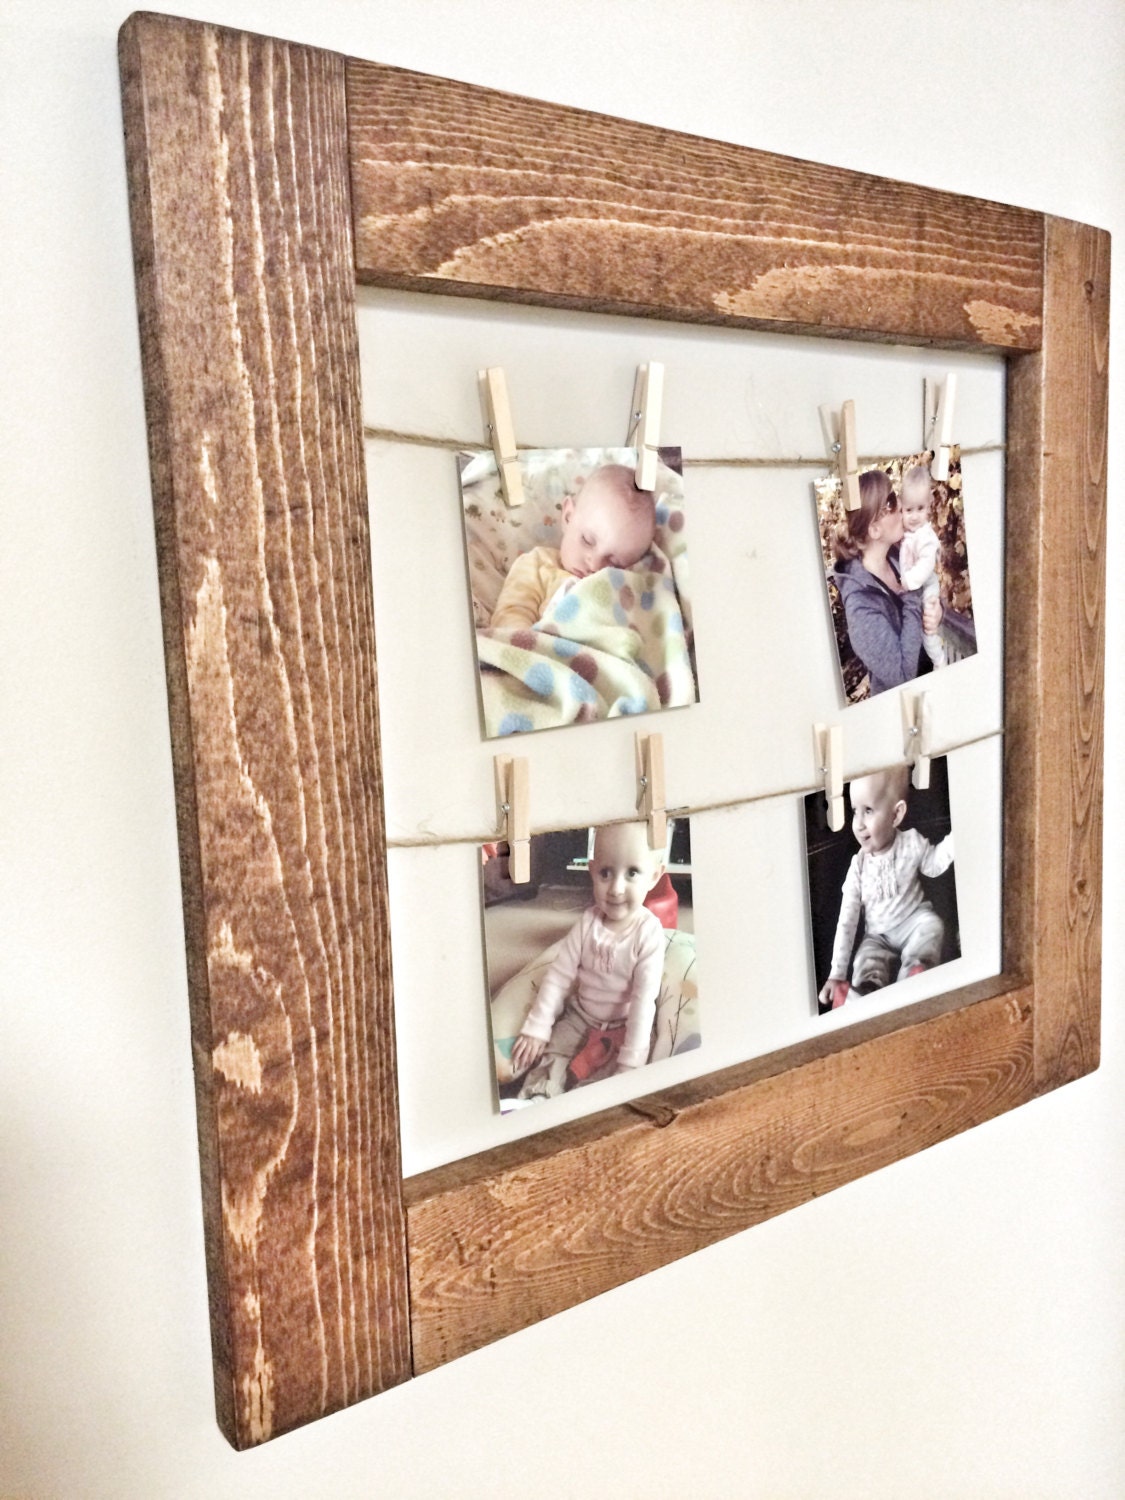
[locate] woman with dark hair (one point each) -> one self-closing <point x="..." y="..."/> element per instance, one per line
<point x="885" y="621"/>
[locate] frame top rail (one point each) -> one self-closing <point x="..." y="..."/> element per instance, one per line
<point x="462" y="189"/>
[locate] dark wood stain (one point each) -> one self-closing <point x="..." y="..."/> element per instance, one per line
<point x="239" y="191"/>
<point x="462" y="189"/>
<point x="249" y="162"/>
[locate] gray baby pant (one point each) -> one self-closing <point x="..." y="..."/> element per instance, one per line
<point x="886" y="957"/>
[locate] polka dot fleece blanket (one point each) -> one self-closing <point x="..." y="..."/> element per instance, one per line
<point x="610" y="644"/>
<point x="617" y="642"/>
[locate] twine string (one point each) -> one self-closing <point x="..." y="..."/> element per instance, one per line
<point x="456" y="445"/>
<point x="453" y="445"/>
<point x="440" y="841"/>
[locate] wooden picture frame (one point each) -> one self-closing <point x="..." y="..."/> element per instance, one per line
<point x="265" y="180"/>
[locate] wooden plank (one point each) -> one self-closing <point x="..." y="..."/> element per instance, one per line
<point x="463" y="189"/>
<point x="1023" y="665"/>
<point x="1055" y="653"/>
<point x="519" y="1233"/>
<point x="242" y="232"/>
<point x="238" y="153"/>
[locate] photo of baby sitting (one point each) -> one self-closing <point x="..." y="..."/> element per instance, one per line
<point x="581" y="606"/>
<point x="591" y="968"/>
<point x="882" y="896"/>
<point x="897" y="574"/>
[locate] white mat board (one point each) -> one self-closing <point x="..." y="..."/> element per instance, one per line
<point x="766" y="663"/>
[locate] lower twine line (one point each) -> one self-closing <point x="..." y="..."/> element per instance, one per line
<point x="457" y="445"/>
<point x="440" y="841"/>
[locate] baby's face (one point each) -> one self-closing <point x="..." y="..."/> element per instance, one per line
<point x="916" y="501"/>
<point x="601" y="530"/>
<point x="876" y="812"/>
<point x="623" y="871"/>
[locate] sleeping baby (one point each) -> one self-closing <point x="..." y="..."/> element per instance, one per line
<point x="609" y="523"/>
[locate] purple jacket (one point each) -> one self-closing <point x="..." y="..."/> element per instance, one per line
<point x="885" y="628"/>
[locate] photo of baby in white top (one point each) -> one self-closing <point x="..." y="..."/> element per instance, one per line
<point x="892" y="914"/>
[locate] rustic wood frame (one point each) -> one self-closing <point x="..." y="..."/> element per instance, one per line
<point x="265" y="179"/>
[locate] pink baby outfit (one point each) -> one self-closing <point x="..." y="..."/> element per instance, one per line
<point x="618" y="980"/>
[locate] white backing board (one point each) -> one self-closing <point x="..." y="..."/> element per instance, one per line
<point x="766" y="661"/>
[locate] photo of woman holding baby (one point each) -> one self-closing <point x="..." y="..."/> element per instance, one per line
<point x="898" y="583"/>
<point x="885" y="619"/>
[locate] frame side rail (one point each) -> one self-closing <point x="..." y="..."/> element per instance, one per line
<point x="1055" y="651"/>
<point x="237" y="154"/>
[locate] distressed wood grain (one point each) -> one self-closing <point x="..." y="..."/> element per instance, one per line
<point x="237" y="158"/>
<point x="457" y="188"/>
<point x="1058" y="409"/>
<point x="516" y="1234"/>
<point x="241" y="152"/>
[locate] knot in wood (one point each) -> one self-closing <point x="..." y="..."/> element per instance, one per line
<point x="659" y="1114"/>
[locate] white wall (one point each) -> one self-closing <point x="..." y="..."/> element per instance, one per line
<point x="952" y="1326"/>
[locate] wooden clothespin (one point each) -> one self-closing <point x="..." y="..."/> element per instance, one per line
<point x="512" y="802"/>
<point x="938" y="397"/>
<point x="650" y="784"/>
<point x="828" y="741"/>
<point x="644" y="421"/>
<point x="501" y="432"/>
<point x="839" y="430"/>
<point x="916" y="726"/>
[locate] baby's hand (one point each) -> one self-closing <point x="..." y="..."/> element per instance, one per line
<point x="834" y="992"/>
<point x="526" y="1050"/>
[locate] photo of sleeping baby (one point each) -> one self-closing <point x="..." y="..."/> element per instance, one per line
<point x="898" y="574"/>
<point x="581" y="606"/>
<point x="591" y="965"/>
<point x="882" y="897"/>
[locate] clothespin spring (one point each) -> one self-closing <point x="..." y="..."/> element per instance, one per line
<point x="839" y="431"/>
<point x="916" y="724"/>
<point x="937" y="411"/>
<point x="644" y="422"/>
<point x="829" y="744"/>
<point x="650" y="784"/>
<point x="512" y="799"/>
<point x="501" y="432"/>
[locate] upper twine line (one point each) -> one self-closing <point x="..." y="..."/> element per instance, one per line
<point x="457" y="445"/>
<point x="454" y="445"/>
